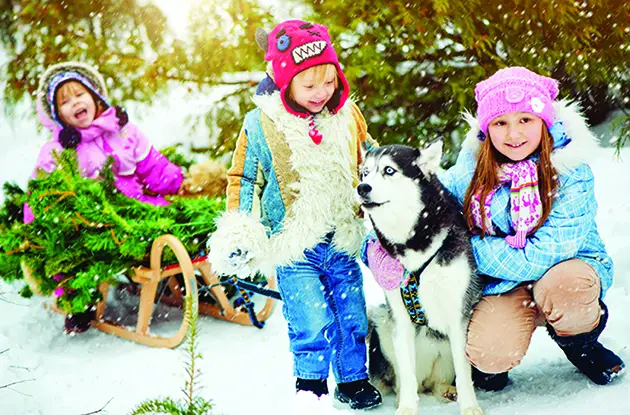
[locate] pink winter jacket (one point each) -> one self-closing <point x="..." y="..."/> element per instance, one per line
<point x="139" y="168"/>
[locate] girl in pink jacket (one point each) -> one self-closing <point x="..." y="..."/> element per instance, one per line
<point x="72" y="103"/>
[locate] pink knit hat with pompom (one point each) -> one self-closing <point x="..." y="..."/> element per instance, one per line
<point x="515" y="89"/>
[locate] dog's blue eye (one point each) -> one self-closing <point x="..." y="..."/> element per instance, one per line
<point x="283" y="43"/>
<point x="389" y="171"/>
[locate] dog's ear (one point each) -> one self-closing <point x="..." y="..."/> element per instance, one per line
<point x="429" y="158"/>
<point x="366" y="147"/>
<point x="262" y="38"/>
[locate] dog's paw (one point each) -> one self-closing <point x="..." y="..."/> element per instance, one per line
<point x="471" y="410"/>
<point x="407" y="411"/>
<point x="446" y="392"/>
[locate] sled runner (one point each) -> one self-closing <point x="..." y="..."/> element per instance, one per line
<point x="190" y="271"/>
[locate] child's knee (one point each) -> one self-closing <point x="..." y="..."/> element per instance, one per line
<point x="500" y="331"/>
<point x="568" y="296"/>
<point x="496" y="355"/>
<point x="575" y="319"/>
<point x="569" y="281"/>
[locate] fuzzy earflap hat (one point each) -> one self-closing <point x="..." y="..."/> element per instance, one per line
<point x="54" y="77"/>
<point x="296" y="45"/>
<point x="515" y="89"/>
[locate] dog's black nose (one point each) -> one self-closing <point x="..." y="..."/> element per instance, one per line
<point x="364" y="189"/>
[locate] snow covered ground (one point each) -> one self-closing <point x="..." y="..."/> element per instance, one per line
<point x="246" y="370"/>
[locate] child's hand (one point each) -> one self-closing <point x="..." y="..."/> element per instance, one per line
<point x="239" y="245"/>
<point x="239" y="258"/>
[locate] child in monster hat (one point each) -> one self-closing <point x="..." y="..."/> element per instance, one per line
<point x="292" y="211"/>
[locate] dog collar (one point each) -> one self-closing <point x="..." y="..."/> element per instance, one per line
<point x="410" y="296"/>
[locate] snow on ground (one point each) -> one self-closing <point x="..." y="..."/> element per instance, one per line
<point x="246" y="370"/>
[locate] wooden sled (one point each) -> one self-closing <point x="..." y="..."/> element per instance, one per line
<point x="149" y="278"/>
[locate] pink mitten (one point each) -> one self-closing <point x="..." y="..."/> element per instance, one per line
<point x="387" y="271"/>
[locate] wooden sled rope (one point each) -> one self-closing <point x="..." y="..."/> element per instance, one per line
<point x="149" y="278"/>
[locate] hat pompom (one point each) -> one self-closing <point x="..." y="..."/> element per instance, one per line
<point x="69" y="137"/>
<point x="122" y="116"/>
<point x="552" y="86"/>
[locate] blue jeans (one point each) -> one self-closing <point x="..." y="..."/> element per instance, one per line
<point x="324" y="305"/>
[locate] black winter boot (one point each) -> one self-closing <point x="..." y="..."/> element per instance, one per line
<point x="491" y="382"/>
<point x="588" y="355"/>
<point x="359" y="394"/>
<point x="78" y="322"/>
<point x="318" y="386"/>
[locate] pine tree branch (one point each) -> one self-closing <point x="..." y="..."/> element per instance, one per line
<point x="84" y="240"/>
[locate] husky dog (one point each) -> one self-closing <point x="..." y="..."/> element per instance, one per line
<point x="420" y="224"/>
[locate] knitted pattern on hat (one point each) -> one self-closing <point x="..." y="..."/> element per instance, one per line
<point x="515" y="89"/>
<point x="60" y="73"/>
<point x="296" y="45"/>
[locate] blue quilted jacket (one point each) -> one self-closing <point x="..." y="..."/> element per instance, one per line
<point x="570" y="230"/>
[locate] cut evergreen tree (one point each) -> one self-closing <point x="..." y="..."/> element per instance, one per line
<point x="86" y="233"/>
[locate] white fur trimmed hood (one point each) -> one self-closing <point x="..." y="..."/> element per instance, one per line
<point x="583" y="143"/>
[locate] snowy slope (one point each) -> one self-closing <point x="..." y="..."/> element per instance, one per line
<point x="246" y="370"/>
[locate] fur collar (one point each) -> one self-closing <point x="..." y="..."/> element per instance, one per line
<point x="271" y="104"/>
<point x="582" y="146"/>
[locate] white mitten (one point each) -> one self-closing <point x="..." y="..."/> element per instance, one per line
<point x="238" y="245"/>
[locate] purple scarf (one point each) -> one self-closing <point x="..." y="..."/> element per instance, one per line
<point x="526" y="207"/>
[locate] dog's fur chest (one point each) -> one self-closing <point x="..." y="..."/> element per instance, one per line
<point x="438" y="287"/>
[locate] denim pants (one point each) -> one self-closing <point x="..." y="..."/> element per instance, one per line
<point x="324" y="305"/>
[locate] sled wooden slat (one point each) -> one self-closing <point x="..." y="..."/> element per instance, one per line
<point x="150" y="277"/>
<point x="224" y="309"/>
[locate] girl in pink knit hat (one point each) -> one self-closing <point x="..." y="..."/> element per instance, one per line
<point x="527" y="194"/>
<point x="514" y="110"/>
<point x="292" y="211"/>
<point x="528" y="164"/>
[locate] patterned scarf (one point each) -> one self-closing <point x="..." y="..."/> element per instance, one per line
<point x="526" y="207"/>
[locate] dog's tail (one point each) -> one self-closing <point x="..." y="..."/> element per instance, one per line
<point x="380" y="369"/>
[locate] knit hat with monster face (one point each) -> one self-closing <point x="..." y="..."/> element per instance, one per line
<point x="296" y="45"/>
